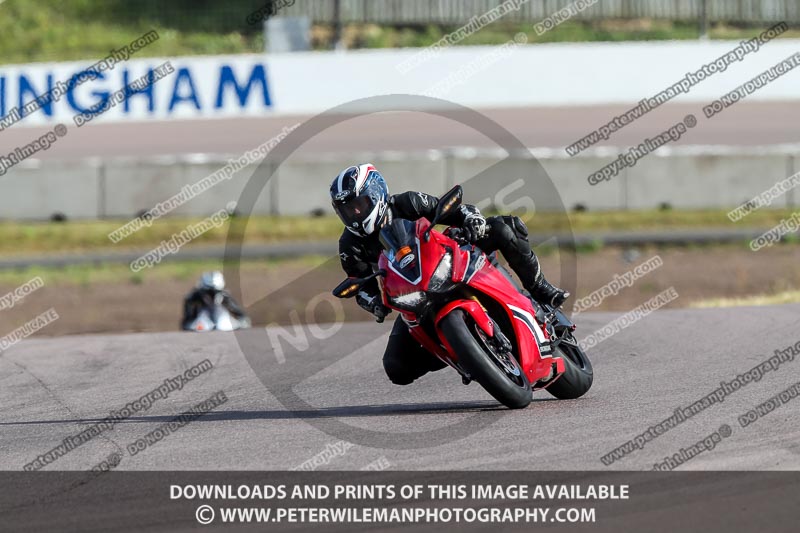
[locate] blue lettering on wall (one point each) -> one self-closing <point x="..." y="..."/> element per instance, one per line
<point x="146" y="91"/>
<point x="227" y="79"/>
<point x="183" y="73"/>
<point x="237" y="86"/>
<point x="26" y="87"/>
<point x="102" y="95"/>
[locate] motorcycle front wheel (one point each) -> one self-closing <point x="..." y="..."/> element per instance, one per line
<point x="499" y="373"/>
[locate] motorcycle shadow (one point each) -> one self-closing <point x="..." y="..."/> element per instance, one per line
<point x="343" y="411"/>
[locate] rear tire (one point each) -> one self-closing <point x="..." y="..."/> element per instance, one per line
<point x="481" y="366"/>
<point x="578" y="375"/>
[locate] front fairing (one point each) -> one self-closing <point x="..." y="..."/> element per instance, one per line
<point x="401" y="248"/>
<point x="411" y="263"/>
<point x="472" y="272"/>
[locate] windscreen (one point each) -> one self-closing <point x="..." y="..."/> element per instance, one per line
<point x="399" y="240"/>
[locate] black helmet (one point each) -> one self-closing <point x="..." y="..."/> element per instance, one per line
<point x="360" y="198"/>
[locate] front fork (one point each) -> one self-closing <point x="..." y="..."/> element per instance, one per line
<point x="444" y="351"/>
<point x="471" y="307"/>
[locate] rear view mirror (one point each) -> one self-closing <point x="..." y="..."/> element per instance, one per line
<point x="450" y="201"/>
<point x="348" y="288"/>
<point x="447" y="203"/>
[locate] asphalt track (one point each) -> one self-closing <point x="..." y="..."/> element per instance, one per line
<point x="747" y="123"/>
<point x="51" y="388"/>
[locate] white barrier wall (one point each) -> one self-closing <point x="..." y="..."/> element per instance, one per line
<point x="121" y="188"/>
<point x="310" y="82"/>
<point x="35" y="190"/>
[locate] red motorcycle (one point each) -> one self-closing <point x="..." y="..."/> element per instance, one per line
<point x="467" y="310"/>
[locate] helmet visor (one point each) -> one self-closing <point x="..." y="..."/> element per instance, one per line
<point x="356" y="209"/>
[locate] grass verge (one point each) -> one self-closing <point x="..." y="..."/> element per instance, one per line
<point x="113" y="273"/>
<point x="31" y="238"/>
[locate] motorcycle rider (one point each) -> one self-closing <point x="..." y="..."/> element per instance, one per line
<point x="361" y="199"/>
<point x="202" y="296"/>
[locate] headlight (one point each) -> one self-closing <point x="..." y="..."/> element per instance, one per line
<point x="408" y="301"/>
<point x="443" y="273"/>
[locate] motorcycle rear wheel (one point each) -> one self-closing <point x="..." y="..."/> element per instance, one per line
<point x="578" y="375"/>
<point x="499" y="374"/>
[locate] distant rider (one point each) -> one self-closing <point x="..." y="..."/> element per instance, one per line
<point x="203" y="296"/>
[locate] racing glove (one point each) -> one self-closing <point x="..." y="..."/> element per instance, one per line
<point x="372" y="304"/>
<point x="474" y="227"/>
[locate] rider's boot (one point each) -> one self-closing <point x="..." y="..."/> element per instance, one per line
<point x="530" y="273"/>
<point x="545" y="292"/>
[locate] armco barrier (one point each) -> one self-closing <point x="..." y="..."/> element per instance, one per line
<point x="37" y="189"/>
<point x="685" y="177"/>
<point x="133" y="185"/>
<point x="568" y="174"/>
<point x="302" y="185"/>
<point x="703" y="181"/>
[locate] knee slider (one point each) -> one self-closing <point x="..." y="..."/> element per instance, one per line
<point x="397" y="373"/>
<point x="401" y="380"/>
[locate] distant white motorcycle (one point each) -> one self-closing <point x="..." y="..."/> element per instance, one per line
<point x="217" y="317"/>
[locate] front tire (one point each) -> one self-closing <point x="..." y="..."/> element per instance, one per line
<point x="495" y="375"/>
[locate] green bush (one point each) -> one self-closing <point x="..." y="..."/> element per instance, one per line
<point x="61" y="30"/>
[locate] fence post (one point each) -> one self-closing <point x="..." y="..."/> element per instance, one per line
<point x="790" y="170"/>
<point x="337" y="25"/>
<point x="101" y="192"/>
<point x="703" y="20"/>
